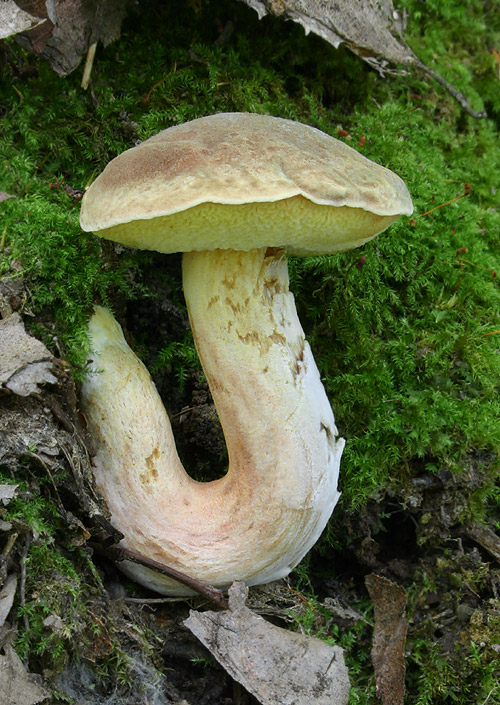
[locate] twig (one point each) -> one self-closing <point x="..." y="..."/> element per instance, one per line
<point x="306" y="601"/>
<point x="89" y="62"/>
<point x="22" y="580"/>
<point x="459" y="97"/>
<point x="119" y="554"/>
<point x="152" y="600"/>
<point x="187" y="410"/>
<point x="489" y="694"/>
<point x="467" y="191"/>
<point x="9" y="545"/>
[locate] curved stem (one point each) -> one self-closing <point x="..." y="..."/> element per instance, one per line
<point x="262" y="517"/>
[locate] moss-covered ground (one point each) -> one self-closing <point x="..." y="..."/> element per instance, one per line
<point x="406" y="330"/>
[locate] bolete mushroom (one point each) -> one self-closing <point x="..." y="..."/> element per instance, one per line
<point x="234" y="192"/>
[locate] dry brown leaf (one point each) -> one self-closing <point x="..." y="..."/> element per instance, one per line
<point x="17" y="686"/>
<point x="25" y="362"/>
<point x="389" y="637"/>
<point x="372" y="29"/>
<point x="3" y="196"/>
<point x="7" y="595"/>
<point x="71" y="27"/>
<point x="278" y="667"/>
<point x="14" y="20"/>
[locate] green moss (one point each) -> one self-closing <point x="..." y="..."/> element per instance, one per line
<point x="401" y="340"/>
<point x="53" y="612"/>
<point x="63" y="613"/>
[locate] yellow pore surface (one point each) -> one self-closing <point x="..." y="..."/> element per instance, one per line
<point x="303" y="227"/>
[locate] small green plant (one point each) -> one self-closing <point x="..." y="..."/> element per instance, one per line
<point x="181" y="355"/>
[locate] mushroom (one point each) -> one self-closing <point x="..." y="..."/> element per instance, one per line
<point x="234" y="192"/>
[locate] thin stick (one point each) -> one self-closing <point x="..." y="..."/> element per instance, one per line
<point x="459" y="97"/>
<point x="89" y="62"/>
<point x="22" y="581"/>
<point x="124" y="554"/>
<point x="447" y="203"/>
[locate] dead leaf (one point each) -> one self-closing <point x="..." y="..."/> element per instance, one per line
<point x="389" y="637"/>
<point x="485" y="537"/>
<point x="3" y="196"/>
<point x="25" y="362"/>
<point x="17" y="686"/>
<point x="54" y="622"/>
<point x="7" y="595"/>
<point x="7" y="492"/>
<point x="12" y="294"/>
<point x="71" y="27"/>
<point x="273" y="664"/>
<point x="344" y="615"/>
<point x="14" y="20"/>
<point x="372" y="29"/>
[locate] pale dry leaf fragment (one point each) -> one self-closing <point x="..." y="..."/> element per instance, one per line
<point x="17" y="686"/>
<point x="54" y="622"/>
<point x="372" y="29"/>
<point x="389" y="637"/>
<point x="14" y="20"/>
<point x="7" y="492"/>
<point x="278" y="667"/>
<point x="3" y="195"/>
<point x="26" y="381"/>
<point x="485" y="537"/>
<point x="71" y="27"/>
<point x="344" y="614"/>
<point x="25" y="362"/>
<point x="7" y="595"/>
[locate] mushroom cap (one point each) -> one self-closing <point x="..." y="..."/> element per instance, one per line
<point x="242" y="181"/>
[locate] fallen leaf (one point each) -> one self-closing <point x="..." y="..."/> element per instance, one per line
<point x="54" y="622"/>
<point x="370" y="28"/>
<point x="3" y="196"/>
<point x="7" y="492"/>
<point x="344" y="615"/>
<point x="485" y="537"/>
<point x="25" y="362"/>
<point x="14" y="20"/>
<point x="277" y="666"/>
<point x="389" y="637"/>
<point x="71" y="27"/>
<point x="17" y="686"/>
<point x="7" y="595"/>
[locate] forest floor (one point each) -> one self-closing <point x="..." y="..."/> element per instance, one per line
<point x="405" y="333"/>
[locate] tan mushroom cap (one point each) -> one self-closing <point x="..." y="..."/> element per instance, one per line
<point x="243" y="181"/>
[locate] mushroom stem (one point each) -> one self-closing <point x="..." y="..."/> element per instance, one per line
<point x="258" y="521"/>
